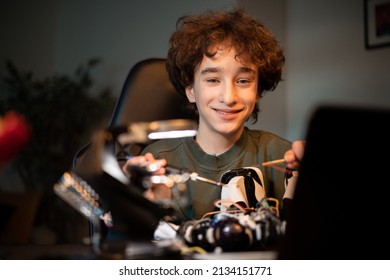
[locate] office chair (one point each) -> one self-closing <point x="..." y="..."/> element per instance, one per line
<point x="147" y="95"/>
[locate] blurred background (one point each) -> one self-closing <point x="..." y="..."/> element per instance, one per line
<point x="82" y="51"/>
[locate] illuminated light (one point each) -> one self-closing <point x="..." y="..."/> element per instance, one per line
<point x="171" y="134"/>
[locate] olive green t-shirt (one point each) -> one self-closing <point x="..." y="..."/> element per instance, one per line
<point x="253" y="148"/>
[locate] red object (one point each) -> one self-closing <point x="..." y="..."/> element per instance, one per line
<point x="14" y="135"/>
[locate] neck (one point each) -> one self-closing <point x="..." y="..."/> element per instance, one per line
<point x="216" y="143"/>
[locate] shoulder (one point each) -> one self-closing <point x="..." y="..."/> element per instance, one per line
<point x="267" y="142"/>
<point x="267" y="137"/>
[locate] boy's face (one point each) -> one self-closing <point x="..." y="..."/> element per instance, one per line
<point x="225" y="92"/>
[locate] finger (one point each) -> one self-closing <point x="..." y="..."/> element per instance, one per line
<point x="148" y="194"/>
<point x="289" y="156"/>
<point x="149" y="157"/>
<point x="299" y="148"/>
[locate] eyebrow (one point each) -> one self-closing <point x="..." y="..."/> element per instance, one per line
<point x="216" y="70"/>
<point x="210" y="70"/>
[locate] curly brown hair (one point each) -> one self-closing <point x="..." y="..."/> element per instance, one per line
<point x="196" y="35"/>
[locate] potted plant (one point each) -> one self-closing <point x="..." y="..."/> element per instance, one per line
<point x="62" y="113"/>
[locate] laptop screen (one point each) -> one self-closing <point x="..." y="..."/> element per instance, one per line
<point x="340" y="208"/>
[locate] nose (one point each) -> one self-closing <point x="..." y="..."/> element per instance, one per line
<point x="228" y="94"/>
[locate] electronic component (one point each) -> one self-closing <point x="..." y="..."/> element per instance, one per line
<point x="235" y="231"/>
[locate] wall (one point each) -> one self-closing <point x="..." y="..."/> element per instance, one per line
<point x="328" y="62"/>
<point x="27" y="32"/>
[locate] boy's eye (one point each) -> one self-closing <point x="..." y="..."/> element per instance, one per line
<point x="212" y="80"/>
<point x="243" y="81"/>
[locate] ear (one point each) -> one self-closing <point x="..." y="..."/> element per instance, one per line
<point x="190" y="94"/>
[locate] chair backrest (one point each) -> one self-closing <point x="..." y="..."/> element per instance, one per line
<point x="147" y="95"/>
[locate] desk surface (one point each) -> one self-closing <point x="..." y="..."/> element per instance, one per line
<point x="253" y="255"/>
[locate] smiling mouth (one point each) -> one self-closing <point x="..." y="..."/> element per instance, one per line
<point x="228" y="115"/>
<point x="228" y="112"/>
